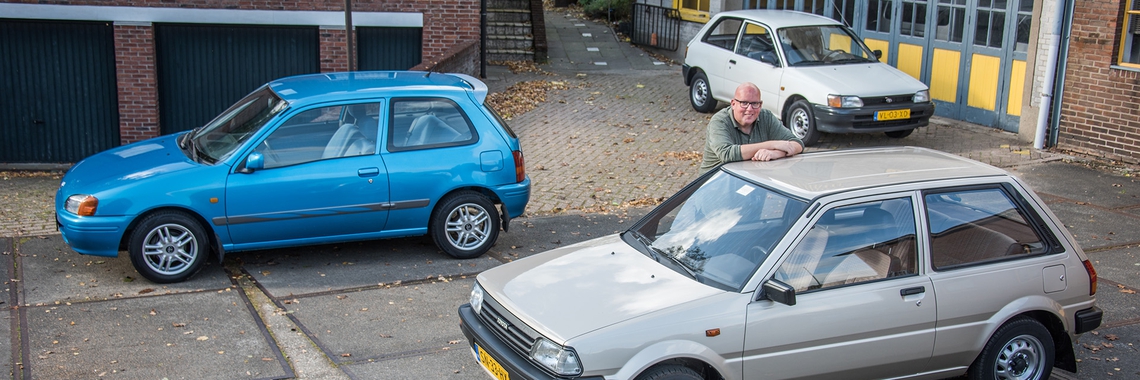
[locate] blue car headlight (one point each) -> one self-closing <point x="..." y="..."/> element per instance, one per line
<point x="562" y="360"/>
<point x="81" y="204"/>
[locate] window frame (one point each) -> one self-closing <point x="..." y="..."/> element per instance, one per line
<point x="1126" y="39"/>
<point x="693" y="14"/>
<point x="390" y="129"/>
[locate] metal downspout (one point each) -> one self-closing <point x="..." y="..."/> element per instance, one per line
<point x="1062" y="64"/>
<point x="483" y="39"/>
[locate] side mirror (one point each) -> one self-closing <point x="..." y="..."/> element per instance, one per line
<point x="878" y="54"/>
<point x="255" y="162"/>
<point x="778" y="291"/>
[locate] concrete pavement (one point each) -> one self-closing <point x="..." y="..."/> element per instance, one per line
<point x="619" y="137"/>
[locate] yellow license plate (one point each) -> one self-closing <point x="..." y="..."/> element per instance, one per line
<point x="892" y="115"/>
<point x="491" y="365"/>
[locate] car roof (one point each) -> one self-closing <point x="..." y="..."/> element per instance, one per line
<point x="312" y="88"/>
<point x="780" y="18"/>
<point x="811" y="175"/>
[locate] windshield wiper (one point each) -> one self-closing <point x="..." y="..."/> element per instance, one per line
<point x="809" y="63"/>
<point x="677" y="262"/>
<point x="851" y="60"/>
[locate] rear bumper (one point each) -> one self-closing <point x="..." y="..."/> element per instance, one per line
<point x="862" y="120"/>
<point x="1087" y="320"/>
<point x="514" y="197"/>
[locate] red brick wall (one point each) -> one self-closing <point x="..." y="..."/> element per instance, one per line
<point x="446" y="24"/>
<point x="1099" y="115"/>
<point x="137" y="82"/>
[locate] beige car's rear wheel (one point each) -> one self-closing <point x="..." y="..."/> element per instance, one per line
<point x="1021" y="349"/>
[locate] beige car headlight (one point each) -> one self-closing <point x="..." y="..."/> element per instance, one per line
<point x="477" y="298"/>
<point x="561" y="360"/>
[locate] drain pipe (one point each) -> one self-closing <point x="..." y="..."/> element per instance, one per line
<point x="1062" y="65"/>
<point x="1046" y="103"/>
<point x="483" y="39"/>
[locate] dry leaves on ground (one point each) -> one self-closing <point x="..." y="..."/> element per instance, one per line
<point x="522" y="97"/>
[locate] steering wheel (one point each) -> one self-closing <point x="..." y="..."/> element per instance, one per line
<point x="833" y="55"/>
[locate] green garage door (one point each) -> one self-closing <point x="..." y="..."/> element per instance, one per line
<point x="60" y="102"/>
<point x="202" y="69"/>
<point x="389" y="48"/>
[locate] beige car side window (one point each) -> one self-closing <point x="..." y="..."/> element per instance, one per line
<point x="976" y="226"/>
<point x="854" y="244"/>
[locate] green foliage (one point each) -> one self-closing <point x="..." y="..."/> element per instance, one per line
<point x="599" y="8"/>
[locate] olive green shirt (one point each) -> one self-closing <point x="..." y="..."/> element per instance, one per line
<point x="724" y="137"/>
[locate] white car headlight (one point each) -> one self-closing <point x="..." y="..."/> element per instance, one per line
<point x="561" y="360"/>
<point x="922" y="96"/>
<point x="477" y="298"/>
<point x="844" y="101"/>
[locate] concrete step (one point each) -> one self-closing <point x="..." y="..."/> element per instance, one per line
<point x="508" y="15"/>
<point x="509" y="55"/>
<point x="509" y="29"/>
<point x="510" y="42"/>
<point x="511" y="4"/>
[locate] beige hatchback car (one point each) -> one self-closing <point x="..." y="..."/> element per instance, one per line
<point x="868" y="263"/>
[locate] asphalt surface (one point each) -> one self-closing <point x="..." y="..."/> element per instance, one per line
<point x="616" y="135"/>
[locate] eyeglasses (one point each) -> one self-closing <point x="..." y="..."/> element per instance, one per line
<point x="748" y="104"/>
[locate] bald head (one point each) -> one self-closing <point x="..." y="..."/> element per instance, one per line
<point x="747" y="92"/>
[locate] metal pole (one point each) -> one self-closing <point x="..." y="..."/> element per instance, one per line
<point x="348" y="33"/>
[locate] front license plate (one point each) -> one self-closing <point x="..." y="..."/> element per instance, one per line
<point x="490" y="364"/>
<point x="892" y="115"/>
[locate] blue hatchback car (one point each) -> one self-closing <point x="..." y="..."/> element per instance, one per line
<point x="308" y="159"/>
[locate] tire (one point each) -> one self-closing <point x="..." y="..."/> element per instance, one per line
<point x="670" y="372"/>
<point x="465" y="225"/>
<point x="801" y="121"/>
<point x="899" y="134"/>
<point x="168" y="246"/>
<point x="700" y="94"/>
<point x="1021" y="349"/>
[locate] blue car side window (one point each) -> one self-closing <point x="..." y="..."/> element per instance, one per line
<point x="428" y="123"/>
<point x="322" y="133"/>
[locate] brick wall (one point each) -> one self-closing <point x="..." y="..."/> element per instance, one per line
<point x="462" y="58"/>
<point x="137" y="82"/>
<point x="446" y="24"/>
<point x="1099" y="115"/>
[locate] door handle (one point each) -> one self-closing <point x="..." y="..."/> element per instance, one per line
<point x="732" y="61"/>
<point x="914" y="290"/>
<point x="368" y="172"/>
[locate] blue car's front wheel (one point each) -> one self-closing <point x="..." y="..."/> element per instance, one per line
<point x="465" y="225"/>
<point x="168" y="246"/>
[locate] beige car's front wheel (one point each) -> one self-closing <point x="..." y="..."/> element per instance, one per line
<point x="1021" y="349"/>
<point x="670" y="372"/>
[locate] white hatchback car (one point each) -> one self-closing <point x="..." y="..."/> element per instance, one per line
<point x="814" y="74"/>
<point x="855" y="264"/>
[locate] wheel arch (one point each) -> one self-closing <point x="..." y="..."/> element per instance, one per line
<point x="787" y="106"/>
<point x="692" y="73"/>
<point x="1046" y="312"/>
<point x="215" y="243"/>
<point x="496" y="201"/>
<point x="689" y="354"/>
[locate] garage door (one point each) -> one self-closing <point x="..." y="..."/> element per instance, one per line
<point x="60" y="101"/>
<point x="202" y="69"/>
<point x="389" y="48"/>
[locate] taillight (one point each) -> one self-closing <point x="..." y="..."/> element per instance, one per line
<point x="520" y="168"/>
<point x="1092" y="277"/>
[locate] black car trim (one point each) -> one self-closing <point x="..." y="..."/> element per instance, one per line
<point x="318" y="212"/>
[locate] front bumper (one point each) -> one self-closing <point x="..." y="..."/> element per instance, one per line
<point x="862" y="120"/>
<point x="517" y="366"/>
<point x="92" y="235"/>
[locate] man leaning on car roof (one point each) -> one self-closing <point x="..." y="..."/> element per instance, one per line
<point x="746" y="130"/>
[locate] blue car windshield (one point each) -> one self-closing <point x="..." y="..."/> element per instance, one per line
<point x="719" y="232"/>
<point x="225" y="134"/>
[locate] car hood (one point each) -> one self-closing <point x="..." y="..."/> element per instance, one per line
<point x="129" y="163"/>
<point x="570" y="291"/>
<point x="862" y="79"/>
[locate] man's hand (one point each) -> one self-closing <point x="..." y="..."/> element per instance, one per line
<point x="769" y="154"/>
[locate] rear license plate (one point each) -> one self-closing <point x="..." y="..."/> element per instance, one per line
<point x="490" y="364"/>
<point x="892" y="115"/>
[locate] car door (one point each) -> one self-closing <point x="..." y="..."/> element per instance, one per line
<point x="862" y="307"/>
<point x="322" y="180"/>
<point x="756" y="60"/>
<point x="989" y="250"/>
<point x="720" y="45"/>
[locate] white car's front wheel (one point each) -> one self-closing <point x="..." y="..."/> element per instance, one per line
<point x="801" y="121"/>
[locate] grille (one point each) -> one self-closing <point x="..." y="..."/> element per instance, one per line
<point x="905" y="99"/>
<point x="517" y="335"/>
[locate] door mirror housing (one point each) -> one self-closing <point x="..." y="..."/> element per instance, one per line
<point x="778" y="291"/>
<point x="255" y="162"/>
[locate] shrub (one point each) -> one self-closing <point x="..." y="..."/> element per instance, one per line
<point x="599" y="8"/>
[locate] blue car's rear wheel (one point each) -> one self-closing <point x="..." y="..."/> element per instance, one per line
<point x="168" y="246"/>
<point x="465" y="225"/>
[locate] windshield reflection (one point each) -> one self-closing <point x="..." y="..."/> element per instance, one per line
<point x="823" y="45"/>
<point x="719" y="231"/>
<point x="221" y="137"/>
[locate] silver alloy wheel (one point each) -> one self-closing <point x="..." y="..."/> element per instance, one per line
<point x="170" y="249"/>
<point x="1021" y="359"/>
<point x="468" y="226"/>
<point x="800" y="122"/>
